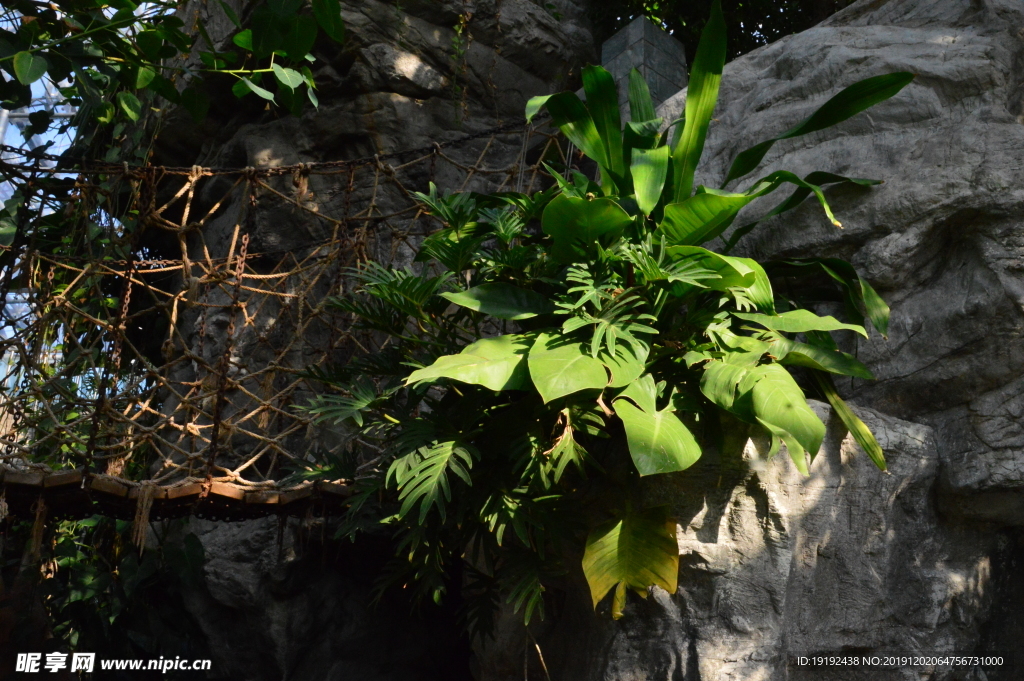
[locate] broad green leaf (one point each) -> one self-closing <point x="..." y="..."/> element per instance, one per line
<point x="290" y="78"/>
<point x="149" y="43"/>
<point x="7" y="231"/>
<point x="633" y="553"/>
<point x="577" y="224"/>
<point x="300" y="36"/>
<point x="702" y="95"/>
<point x="861" y="433"/>
<point x="732" y="271"/>
<point x="625" y="366"/>
<point x="603" y="104"/>
<point x="130" y="104"/>
<point x="534" y="106"/>
<point x="797" y="453"/>
<point x="641" y="106"/>
<point x="257" y="90"/>
<point x="495" y="363"/>
<point x="658" y="441"/>
<point x="649" y="168"/>
<point x="560" y="367"/>
<point x="644" y="392"/>
<point x="802" y="354"/>
<point x="720" y="381"/>
<point x="860" y="297"/>
<point x="29" y="67"/>
<point x="799" y="321"/>
<point x="849" y="102"/>
<point x="328" y="15"/>
<point x="243" y="39"/>
<point x="143" y="77"/>
<point x="779" y="402"/>
<point x="501" y="300"/>
<point x="700" y="218"/>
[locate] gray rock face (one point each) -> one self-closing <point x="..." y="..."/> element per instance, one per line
<point x="773" y="565"/>
<point x="942" y="240"/>
<point x="849" y="560"/>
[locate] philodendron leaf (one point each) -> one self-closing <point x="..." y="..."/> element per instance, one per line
<point x="779" y="404"/>
<point x="852" y="100"/>
<point x="650" y="170"/>
<point x="495" y="363"/>
<point x="658" y="441"/>
<point x="720" y="381"/>
<point x="799" y="321"/>
<point x="731" y="271"/>
<point x="560" y="367"/>
<point x="634" y="552"/>
<point x="577" y="224"/>
<point x="501" y="300"/>
<point x="626" y="365"/>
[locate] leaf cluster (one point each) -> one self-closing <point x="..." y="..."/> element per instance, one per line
<point x="519" y="406"/>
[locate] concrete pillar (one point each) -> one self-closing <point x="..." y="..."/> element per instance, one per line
<point x="659" y="57"/>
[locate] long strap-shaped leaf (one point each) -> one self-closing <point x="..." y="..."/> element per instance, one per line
<point x="603" y="104"/>
<point x="851" y="101"/>
<point x="707" y="214"/>
<point x="574" y="120"/>
<point x="819" y="178"/>
<point x="702" y="95"/>
<point x="861" y="433"/>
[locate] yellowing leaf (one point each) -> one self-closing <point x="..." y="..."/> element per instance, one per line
<point x="635" y="552"/>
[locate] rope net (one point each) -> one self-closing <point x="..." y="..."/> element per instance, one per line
<point x="163" y="325"/>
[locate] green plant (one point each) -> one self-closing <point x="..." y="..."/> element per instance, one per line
<point x="526" y="379"/>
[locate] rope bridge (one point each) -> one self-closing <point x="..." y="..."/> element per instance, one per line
<point x="163" y="326"/>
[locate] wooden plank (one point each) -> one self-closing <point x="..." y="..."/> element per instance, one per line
<point x="186" y="490"/>
<point x="335" y="489"/>
<point x="108" y="485"/>
<point x="226" y="489"/>
<point x="263" y="496"/>
<point x="296" y="494"/>
<point x="158" y="492"/>
<point x="26" y="478"/>
<point x="61" y="478"/>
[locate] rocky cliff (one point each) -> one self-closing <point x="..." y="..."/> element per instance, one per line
<point x="849" y="560"/>
<point x="773" y="565"/>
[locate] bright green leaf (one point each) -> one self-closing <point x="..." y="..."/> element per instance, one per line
<point x="849" y="102"/>
<point x="130" y="104"/>
<point x="861" y="433"/>
<point x="257" y="90"/>
<point x="560" y="367"/>
<point x="778" y="400"/>
<point x="503" y="301"/>
<point x="702" y="95"/>
<point x="650" y="170"/>
<point x="799" y="321"/>
<point x="243" y="39"/>
<point x="802" y="354"/>
<point x="290" y="78"/>
<point x="577" y="224"/>
<point x="29" y="67"/>
<point x="495" y="363"/>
